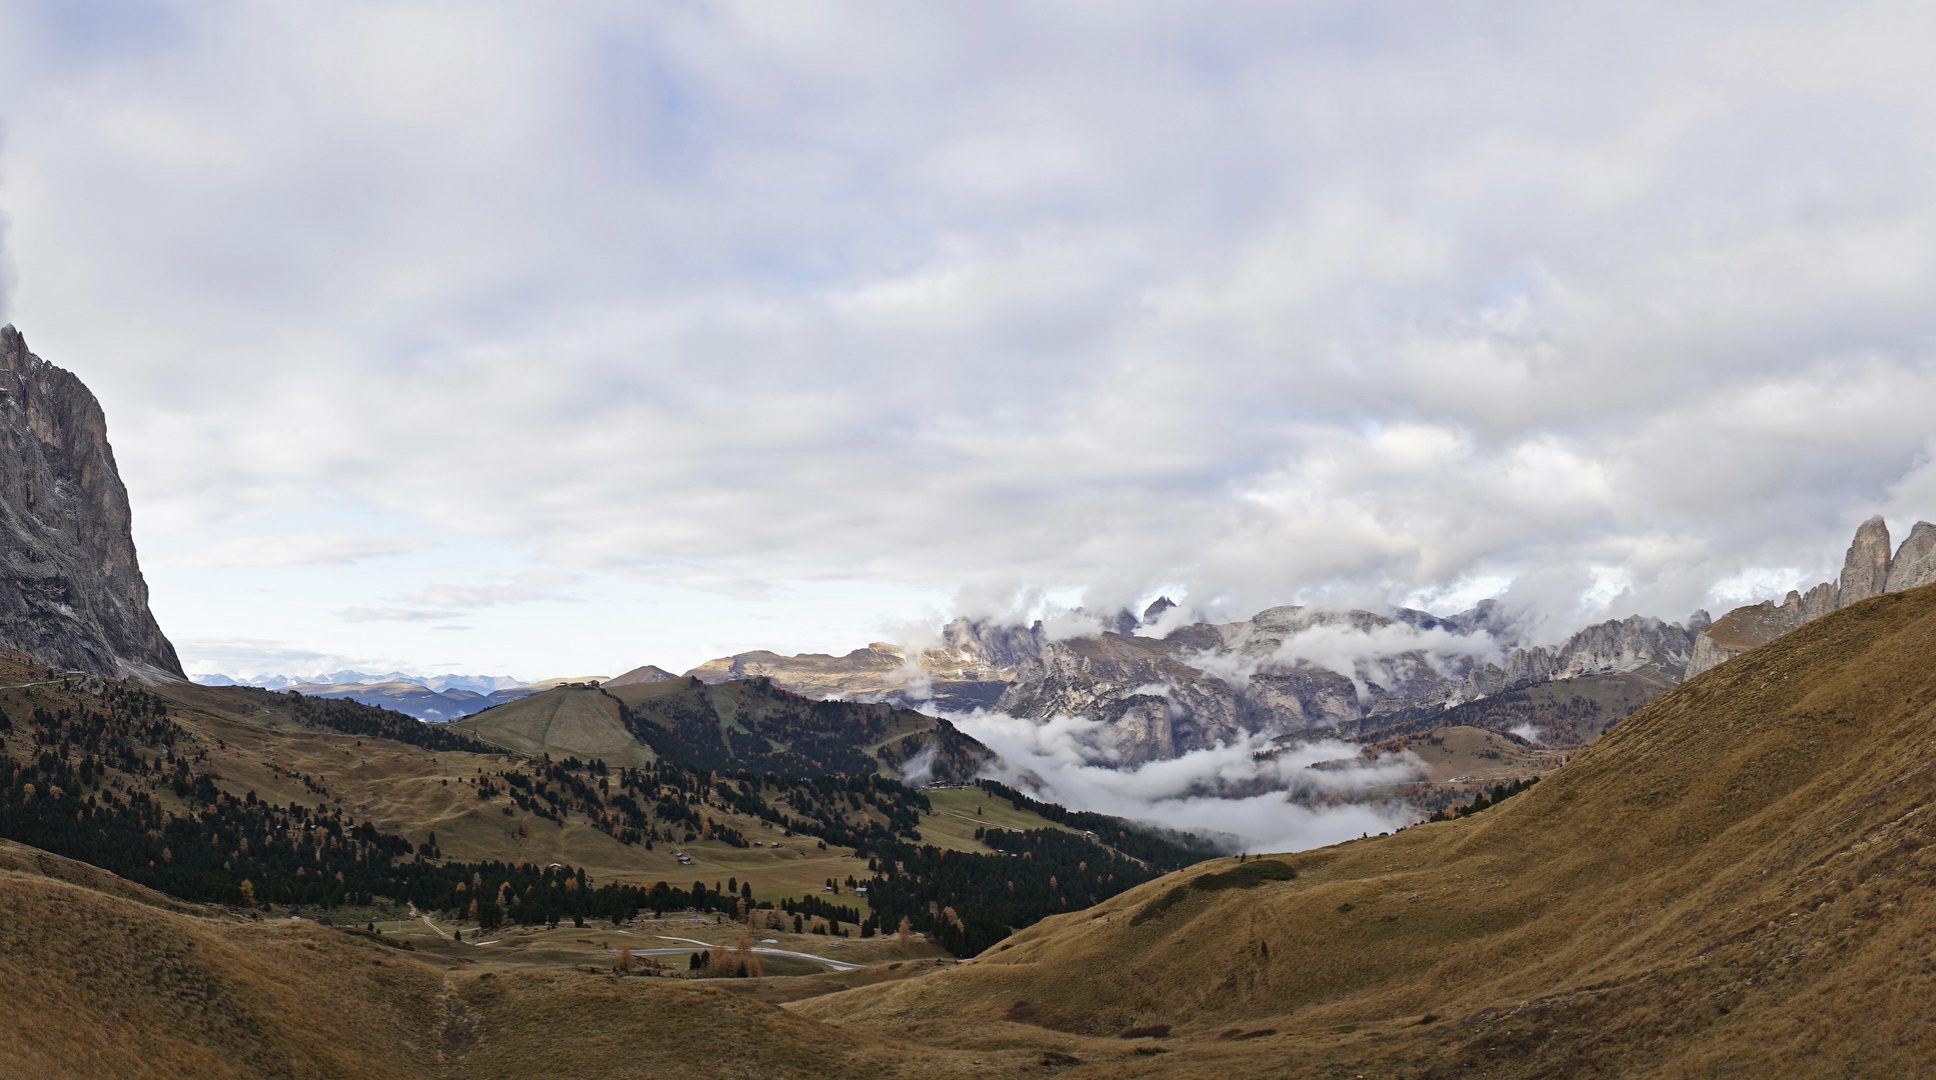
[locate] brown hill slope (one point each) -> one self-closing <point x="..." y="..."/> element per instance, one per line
<point x="102" y="984"/>
<point x="755" y="724"/>
<point x="569" y="720"/>
<point x="1736" y="880"/>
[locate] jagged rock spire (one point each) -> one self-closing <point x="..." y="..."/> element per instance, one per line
<point x="1865" y="569"/>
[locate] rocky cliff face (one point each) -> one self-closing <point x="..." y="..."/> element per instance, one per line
<point x="967" y="670"/>
<point x="1290" y="670"/>
<point x="1915" y="562"/>
<point x="1609" y="648"/>
<point x="71" y="592"/>
<point x="1162" y="697"/>
<point x="1867" y="570"/>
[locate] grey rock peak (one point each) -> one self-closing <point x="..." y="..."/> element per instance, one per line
<point x="1865" y="569"/>
<point x="1915" y="561"/>
<point x="71" y="591"/>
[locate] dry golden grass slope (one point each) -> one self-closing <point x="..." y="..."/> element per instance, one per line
<point x="102" y="984"/>
<point x="564" y="721"/>
<point x="1738" y="880"/>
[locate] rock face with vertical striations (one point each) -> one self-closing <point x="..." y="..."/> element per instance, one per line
<point x="71" y="592"/>
<point x="1915" y="562"/>
<point x="1865" y="569"/>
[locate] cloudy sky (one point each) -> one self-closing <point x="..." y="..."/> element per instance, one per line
<point x="555" y="339"/>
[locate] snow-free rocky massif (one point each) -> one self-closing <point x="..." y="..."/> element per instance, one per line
<point x="71" y="591"/>
<point x="1164" y="689"/>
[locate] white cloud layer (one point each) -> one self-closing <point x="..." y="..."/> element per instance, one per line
<point x="1624" y="304"/>
<point x="1240" y="795"/>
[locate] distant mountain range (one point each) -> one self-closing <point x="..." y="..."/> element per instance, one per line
<point x="1165" y="686"/>
<point x="476" y="684"/>
<point x="438" y="698"/>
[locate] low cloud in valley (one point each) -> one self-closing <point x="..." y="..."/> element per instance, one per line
<point x="1249" y="795"/>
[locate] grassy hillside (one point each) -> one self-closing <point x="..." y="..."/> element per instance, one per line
<point x="753" y="724"/>
<point x="1462" y="761"/>
<point x="568" y="721"/>
<point x="101" y="983"/>
<point x="1734" y="881"/>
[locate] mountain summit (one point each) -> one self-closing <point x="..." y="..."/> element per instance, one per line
<point x="71" y="592"/>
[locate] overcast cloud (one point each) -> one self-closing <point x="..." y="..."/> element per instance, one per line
<point x="764" y="325"/>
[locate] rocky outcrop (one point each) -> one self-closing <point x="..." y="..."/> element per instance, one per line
<point x="1868" y="569"/>
<point x="818" y="675"/>
<point x="1626" y="645"/>
<point x="967" y="669"/>
<point x="71" y="591"/>
<point x="1865" y="569"/>
<point x="1283" y="671"/>
<point x="1915" y="562"/>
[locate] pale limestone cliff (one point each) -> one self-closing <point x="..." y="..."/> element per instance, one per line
<point x="1915" y="562"/>
<point x="71" y="591"/>
<point x="1865" y="570"/>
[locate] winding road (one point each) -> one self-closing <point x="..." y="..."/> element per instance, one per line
<point x="837" y="965"/>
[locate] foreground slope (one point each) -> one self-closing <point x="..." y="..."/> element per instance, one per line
<point x="1735" y="880"/>
<point x="107" y="979"/>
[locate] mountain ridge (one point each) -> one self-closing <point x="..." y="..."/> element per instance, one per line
<point x="1164" y="689"/>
